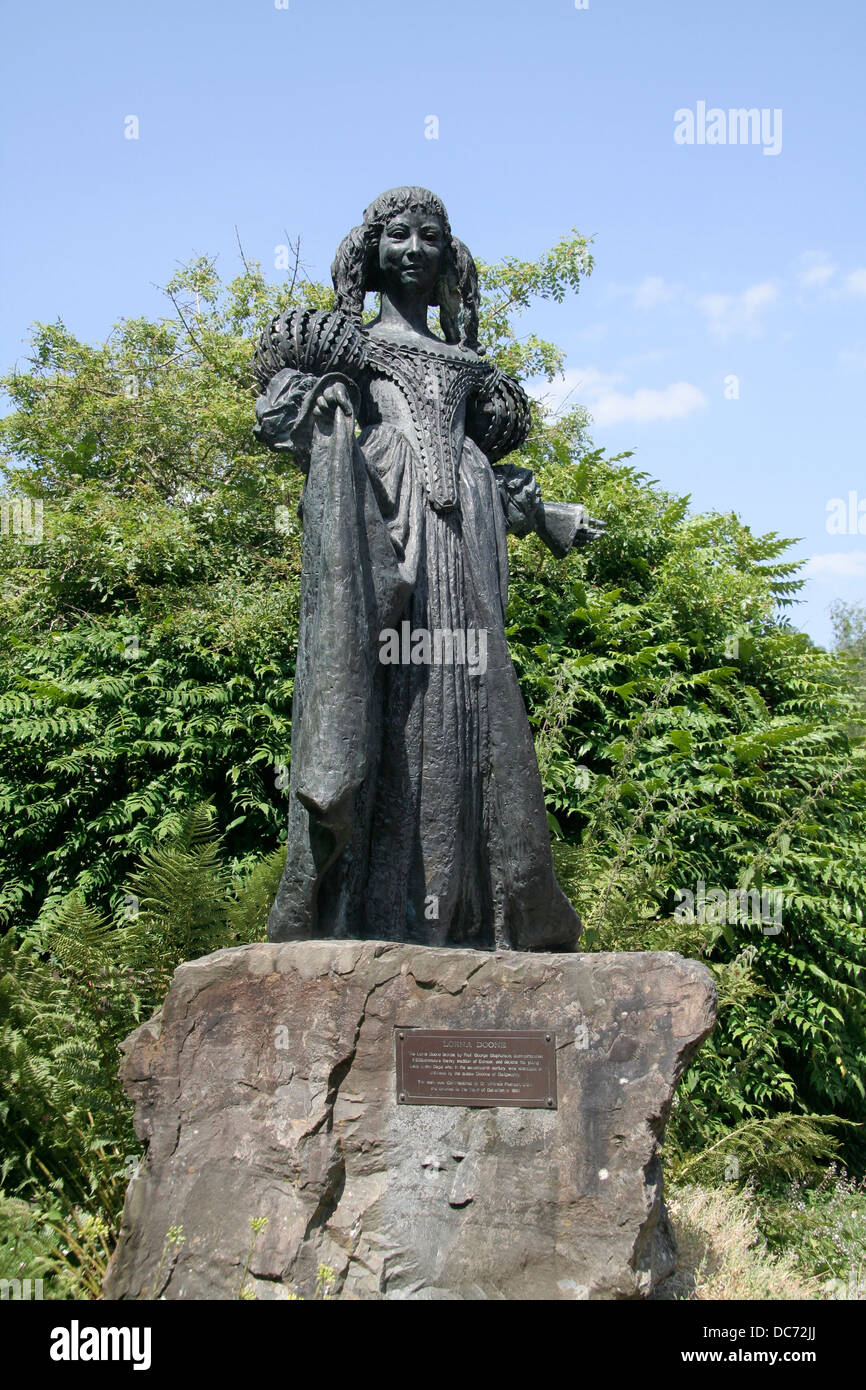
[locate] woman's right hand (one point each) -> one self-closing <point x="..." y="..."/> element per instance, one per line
<point x="334" y="397"/>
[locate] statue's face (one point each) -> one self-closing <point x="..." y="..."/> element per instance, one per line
<point x="410" y="252"/>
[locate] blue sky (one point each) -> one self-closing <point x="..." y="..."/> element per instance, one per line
<point x="712" y="260"/>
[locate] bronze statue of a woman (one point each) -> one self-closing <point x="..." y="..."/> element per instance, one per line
<point x="416" y="808"/>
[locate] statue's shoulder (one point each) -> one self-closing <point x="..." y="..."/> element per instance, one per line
<point x="314" y="341"/>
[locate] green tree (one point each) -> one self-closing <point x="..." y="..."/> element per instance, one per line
<point x="849" y="631"/>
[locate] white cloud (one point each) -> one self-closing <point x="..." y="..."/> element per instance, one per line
<point x="636" y="361"/>
<point x="728" y="314"/>
<point x="852" y="359"/>
<point x="815" y="270"/>
<point x="600" y="393"/>
<point x="593" y="332"/>
<point x="646" y="405"/>
<point x="837" y="564"/>
<point x="577" y="386"/>
<point x="652" y="291"/>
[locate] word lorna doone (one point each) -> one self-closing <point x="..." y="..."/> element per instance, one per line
<point x="739" y="126"/>
<point x="441" y="646"/>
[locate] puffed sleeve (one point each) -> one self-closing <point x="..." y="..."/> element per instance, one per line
<point x="497" y="415"/>
<point x="300" y="353"/>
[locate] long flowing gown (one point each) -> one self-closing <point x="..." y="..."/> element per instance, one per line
<point x="416" y="811"/>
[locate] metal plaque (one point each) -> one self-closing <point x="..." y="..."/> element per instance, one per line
<point x="441" y="1066"/>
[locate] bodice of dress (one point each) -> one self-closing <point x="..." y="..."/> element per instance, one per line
<point x="433" y="396"/>
<point x="423" y="393"/>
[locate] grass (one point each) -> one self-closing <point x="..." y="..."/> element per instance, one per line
<point x="800" y="1243"/>
<point x="722" y="1252"/>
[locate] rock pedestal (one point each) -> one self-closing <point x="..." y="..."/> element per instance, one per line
<point x="265" y="1087"/>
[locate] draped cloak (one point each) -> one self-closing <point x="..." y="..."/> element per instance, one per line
<point x="416" y="811"/>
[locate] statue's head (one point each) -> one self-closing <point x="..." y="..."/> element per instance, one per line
<point x="371" y="254"/>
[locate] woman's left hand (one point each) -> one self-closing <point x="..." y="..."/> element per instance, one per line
<point x="334" y="397"/>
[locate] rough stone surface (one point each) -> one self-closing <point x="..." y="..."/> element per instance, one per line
<point x="265" y="1087"/>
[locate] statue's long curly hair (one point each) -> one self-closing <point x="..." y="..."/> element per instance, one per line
<point x="356" y="265"/>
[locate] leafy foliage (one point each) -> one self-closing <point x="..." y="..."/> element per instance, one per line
<point x="849" y="626"/>
<point x="824" y="1224"/>
<point x="71" y="988"/>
